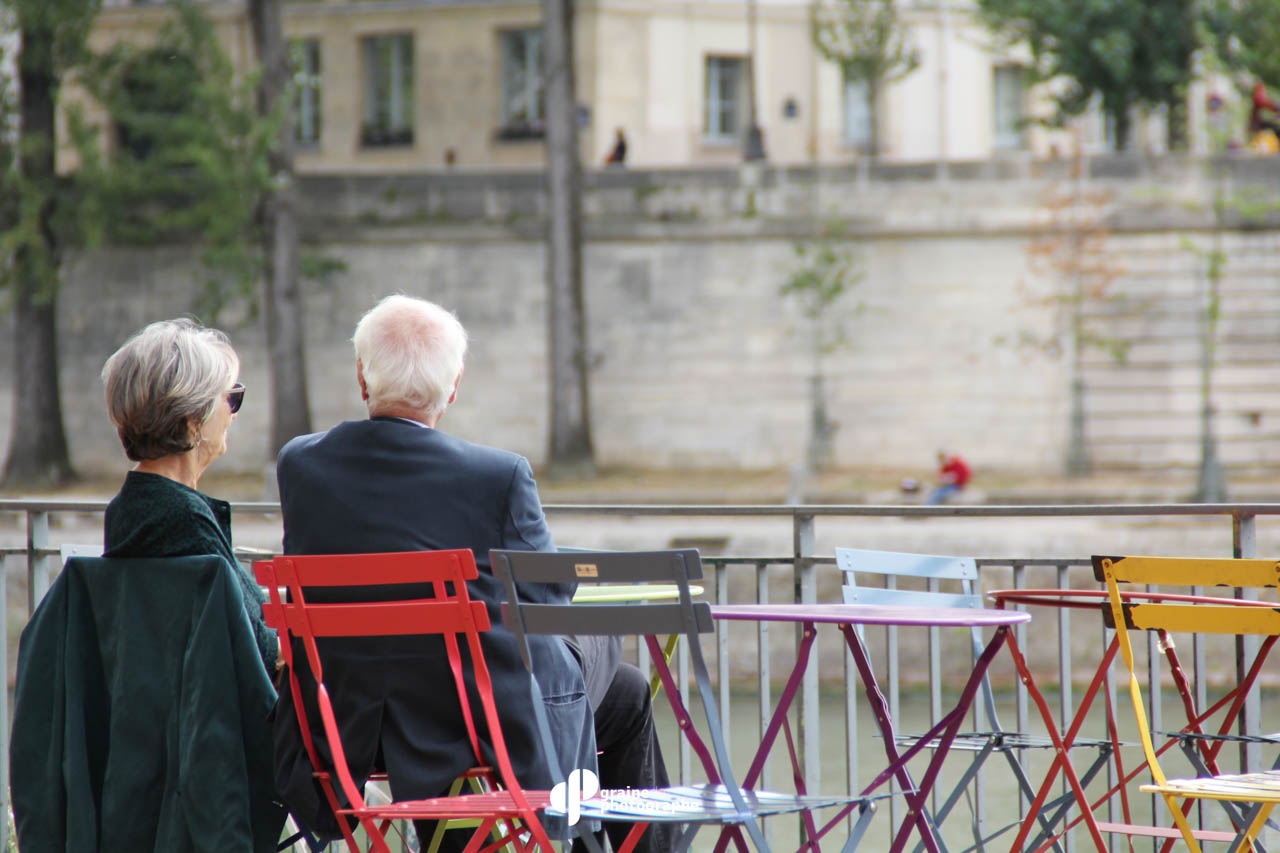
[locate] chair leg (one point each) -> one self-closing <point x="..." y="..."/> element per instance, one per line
<point x="1258" y="819"/>
<point x="685" y="841"/>
<point x="377" y="840"/>
<point x="1175" y="808"/>
<point x="865" y="812"/>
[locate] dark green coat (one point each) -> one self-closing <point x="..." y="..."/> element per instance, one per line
<point x="153" y="516"/>
<point x="140" y="714"/>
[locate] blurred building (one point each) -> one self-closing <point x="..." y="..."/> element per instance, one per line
<point x="427" y="84"/>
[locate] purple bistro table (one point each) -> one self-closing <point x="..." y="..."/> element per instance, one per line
<point x="847" y="617"/>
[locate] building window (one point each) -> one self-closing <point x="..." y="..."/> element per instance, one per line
<point x="726" y="101"/>
<point x="857" y="114"/>
<point x="388" y="91"/>
<point x="522" y="104"/>
<point x="305" y="57"/>
<point x="1008" y="97"/>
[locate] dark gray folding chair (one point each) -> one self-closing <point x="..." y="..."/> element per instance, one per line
<point x="721" y="801"/>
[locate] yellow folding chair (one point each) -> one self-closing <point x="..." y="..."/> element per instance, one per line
<point x="1197" y="615"/>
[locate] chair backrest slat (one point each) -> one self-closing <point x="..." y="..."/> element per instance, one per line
<point x="405" y="567"/>
<point x="601" y="567"/>
<point x="903" y="564"/>
<point x="1191" y="571"/>
<point x="1199" y="618"/>
<point x="909" y="597"/>
<point x="376" y="619"/>
<point x="612" y="619"/>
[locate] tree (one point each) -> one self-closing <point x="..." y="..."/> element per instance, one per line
<point x="821" y="276"/>
<point x="570" y="442"/>
<point x="1071" y="253"/>
<point x="1125" y="53"/>
<point x="867" y="40"/>
<point x="205" y="154"/>
<point x="39" y="221"/>
<point x="202" y="154"/>
<point x="282" y="297"/>
<point x="1211" y="481"/>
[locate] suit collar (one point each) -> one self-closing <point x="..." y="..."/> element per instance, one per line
<point x="392" y="419"/>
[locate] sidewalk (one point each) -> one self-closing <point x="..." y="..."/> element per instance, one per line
<point x="881" y="487"/>
<point x="848" y="486"/>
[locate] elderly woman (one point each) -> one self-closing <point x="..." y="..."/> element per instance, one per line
<point x="172" y="393"/>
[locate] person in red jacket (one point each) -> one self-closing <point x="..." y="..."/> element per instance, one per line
<point x="953" y="475"/>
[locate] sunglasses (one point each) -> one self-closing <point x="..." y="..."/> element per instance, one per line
<point x="235" y="397"/>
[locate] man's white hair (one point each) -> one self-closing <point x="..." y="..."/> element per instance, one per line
<point x="411" y="353"/>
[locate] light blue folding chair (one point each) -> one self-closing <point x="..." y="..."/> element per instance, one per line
<point x="932" y="572"/>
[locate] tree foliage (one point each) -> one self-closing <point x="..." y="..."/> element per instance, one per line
<point x="1124" y="53"/>
<point x="38" y="203"/>
<point x="867" y="40"/>
<point x="1245" y="35"/>
<point x="1076" y="269"/>
<point x="185" y="155"/>
<point x="822" y="274"/>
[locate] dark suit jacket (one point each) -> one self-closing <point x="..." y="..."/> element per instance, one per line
<point x="140" y="714"/>
<point x="386" y="484"/>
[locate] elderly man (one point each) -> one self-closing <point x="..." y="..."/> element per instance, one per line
<point x="394" y="482"/>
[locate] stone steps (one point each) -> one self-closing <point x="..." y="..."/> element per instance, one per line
<point x="1145" y="412"/>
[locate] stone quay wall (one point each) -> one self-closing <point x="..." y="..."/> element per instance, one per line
<point x="699" y="363"/>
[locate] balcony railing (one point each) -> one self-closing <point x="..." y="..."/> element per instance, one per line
<point x="799" y="566"/>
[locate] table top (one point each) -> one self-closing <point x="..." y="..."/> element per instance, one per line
<point x="621" y="592"/>
<point x="870" y="614"/>
<point x="1091" y="598"/>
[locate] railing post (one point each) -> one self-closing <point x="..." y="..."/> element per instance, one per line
<point x="1244" y="537"/>
<point x="4" y="706"/>
<point x="1066" y="703"/>
<point x="1155" y="714"/>
<point x="806" y="592"/>
<point x="37" y="562"/>
<point x="764" y="682"/>
<point x="722" y="654"/>
<point x="935" y="692"/>
<point x="1020" y="697"/>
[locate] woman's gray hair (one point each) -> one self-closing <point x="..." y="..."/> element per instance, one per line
<point x="410" y="353"/>
<point x="163" y="379"/>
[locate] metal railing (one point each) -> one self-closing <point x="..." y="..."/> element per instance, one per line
<point x="801" y="562"/>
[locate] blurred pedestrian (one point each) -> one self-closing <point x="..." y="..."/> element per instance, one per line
<point x="953" y="476"/>
<point x="1263" y="115"/>
<point x="618" y="156"/>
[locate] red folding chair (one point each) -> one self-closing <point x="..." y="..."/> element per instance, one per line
<point x="502" y="817"/>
